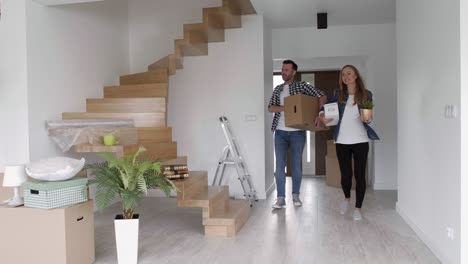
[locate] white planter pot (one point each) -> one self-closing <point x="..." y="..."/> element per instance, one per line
<point x="126" y="238"/>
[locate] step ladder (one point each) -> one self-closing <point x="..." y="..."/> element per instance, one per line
<point x="231" y="156"/>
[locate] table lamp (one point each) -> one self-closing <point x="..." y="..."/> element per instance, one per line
<point x="14" y="176"/>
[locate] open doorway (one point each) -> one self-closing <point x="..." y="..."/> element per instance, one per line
<point x="315" y="149"/>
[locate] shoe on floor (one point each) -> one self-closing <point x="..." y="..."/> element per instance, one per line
<point x="357" y="216"/>
<point x="344" y="207"/>
<point x="280" y="202"/>
<point x="296" y="200"/>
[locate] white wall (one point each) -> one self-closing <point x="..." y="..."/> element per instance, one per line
<point x="325" y="63"/>
<point x="155" y="24"/>
<point x="375" y="43"/>
<point x="464" y="129"/>
<point x="63" y="2"/>
<point x="268" y="88"/>
<point x="428" y="52"/>
<point x="14" y="141"/>
<point x="230" y="81"/>
<point x="73" y="51"/>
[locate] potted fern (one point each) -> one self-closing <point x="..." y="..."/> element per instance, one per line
<point x="366" y="110"/>
<point x="129" y="178"/>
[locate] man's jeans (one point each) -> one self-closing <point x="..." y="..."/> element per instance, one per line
<point x="295" y="140"/>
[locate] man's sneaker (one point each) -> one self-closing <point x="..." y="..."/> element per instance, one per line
<point x="296" y="200"/>
<point x="357" y="215"/>
<point x="344" y="207"/>
<point x="280" y="202"/>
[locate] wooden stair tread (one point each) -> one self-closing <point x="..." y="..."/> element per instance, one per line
<point x="97" y="148"/>
<point x="169" y="62"/>
<point x="203" y="197"/>
<point x="210" y="28"/>
<point x="154" y="76"/>
<point x="234" y="210"/>
<point x="126" y="105"/>
<point x="118" y="150"/>
<point x="140" y="119"/>
<point x="136" y="91"/>
<point x="196" y="181"/>
<point x="155" y="150"/>
<point x="245" y="6"/>
<point x="182" y="160"/>
<point x="154" y="134"/>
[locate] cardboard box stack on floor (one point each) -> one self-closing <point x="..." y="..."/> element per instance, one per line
<point x="332" y="167"/>
<point x="55" y="236"/>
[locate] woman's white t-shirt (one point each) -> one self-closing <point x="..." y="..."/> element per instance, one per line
<point x="352" y="130"/>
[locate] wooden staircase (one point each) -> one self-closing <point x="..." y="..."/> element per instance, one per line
<point x="143" y="98"/>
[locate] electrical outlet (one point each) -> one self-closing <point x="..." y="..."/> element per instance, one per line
<point x="450" y="233"/>
<point x="450" y="111"/>
<point x="250" y="117"/>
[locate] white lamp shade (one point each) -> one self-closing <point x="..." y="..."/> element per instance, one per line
<point x="14" y="176"/>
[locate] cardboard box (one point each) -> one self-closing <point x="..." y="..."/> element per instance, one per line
<point x="300" y="111"/>
<point x="5" y="192"/>
<point x="57" y="236"/>
<point x="331" y="149"/>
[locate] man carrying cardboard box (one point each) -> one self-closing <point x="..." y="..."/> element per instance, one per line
<point x="286" y="137"/>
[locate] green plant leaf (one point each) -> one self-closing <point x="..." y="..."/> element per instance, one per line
<point x="129" y="177"/>
<point x="367" y="105"/>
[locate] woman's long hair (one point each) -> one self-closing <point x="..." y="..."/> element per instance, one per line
<point x="361" y="91"/>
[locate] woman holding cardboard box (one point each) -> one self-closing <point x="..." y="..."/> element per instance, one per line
<point x="352" y="134"/>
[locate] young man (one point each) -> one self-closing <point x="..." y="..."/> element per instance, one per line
<point x="286" y="137"/>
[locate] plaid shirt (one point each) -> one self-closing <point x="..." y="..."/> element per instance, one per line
<point x="295" y="87"/>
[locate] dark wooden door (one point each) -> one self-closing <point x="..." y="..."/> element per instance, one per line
<point x="326" y="81"/>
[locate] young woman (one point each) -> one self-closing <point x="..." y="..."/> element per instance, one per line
<point x="352" y="135"/>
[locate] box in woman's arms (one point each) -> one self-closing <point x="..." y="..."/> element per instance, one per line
<point x="331" y="111"/>
<point x="49" y="195"/>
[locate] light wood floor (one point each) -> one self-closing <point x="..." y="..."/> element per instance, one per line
<point x="313" y="233"/>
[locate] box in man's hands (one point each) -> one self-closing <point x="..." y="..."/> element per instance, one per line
<point x="300" y="111"/>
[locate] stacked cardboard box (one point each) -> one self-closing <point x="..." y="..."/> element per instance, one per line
<point x="332" y="167"/>
<point x="56" y="236"/>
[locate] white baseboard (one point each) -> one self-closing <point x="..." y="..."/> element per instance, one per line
<point x="423" y="236"/>
<point x="270" y="189"/>
<point x="385" y="186"/>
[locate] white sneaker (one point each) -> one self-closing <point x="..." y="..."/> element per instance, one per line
<point x="344" y="207"/>
<point x="280" y="202"/>
<point x="357" y="216"/>
<point x="296" y="200"/>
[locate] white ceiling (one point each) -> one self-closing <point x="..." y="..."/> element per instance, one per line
<point x="302" y="13"/>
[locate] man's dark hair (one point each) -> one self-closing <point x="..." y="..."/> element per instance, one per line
<point x="292" y="63"/>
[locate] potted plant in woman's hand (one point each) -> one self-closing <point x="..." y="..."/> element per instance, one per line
<point x="129" y="178"/>
<point x="366" y="110"/>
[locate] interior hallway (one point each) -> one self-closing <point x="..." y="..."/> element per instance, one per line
<point x="313" y="233"/>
